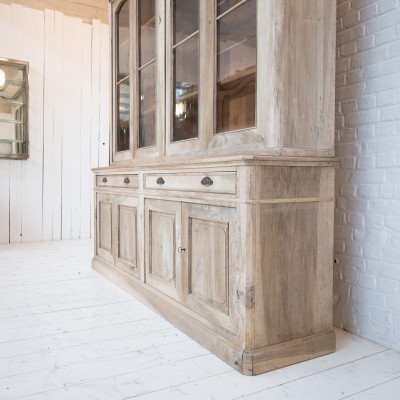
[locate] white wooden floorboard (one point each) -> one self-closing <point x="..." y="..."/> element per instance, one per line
<point x="233" y="385"/>
<point x="387" y="391"/>
<point x="66" y="333"/>
<point x="339" y="382"/>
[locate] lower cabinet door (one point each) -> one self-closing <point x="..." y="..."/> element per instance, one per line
<point x="211" y="270"/>
<point x="104" y="218"/>
<point x="162" y="251"/>
<point x="125" y="233"/>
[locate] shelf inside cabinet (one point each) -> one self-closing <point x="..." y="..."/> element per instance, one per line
<point x="11" y="121"/>
<point x="11" y="141"/>
<point x="9" y="101"/>
<point x="243" y="73"/>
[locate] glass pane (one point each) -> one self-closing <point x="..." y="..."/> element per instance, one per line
<point x="123" y="41"/>
<point x="186" y="18"/>
<point x="147" y="41"/>
<point x="147" y="108"/>
<point x="225" y="5"/>
<point x="236" y="69"/>
<point x="186" y="94"/>
<point x="123" y="116"/>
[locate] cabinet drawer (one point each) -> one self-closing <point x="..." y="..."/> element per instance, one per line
<point x="121" y="181"/>
<point x="215" y="182"/>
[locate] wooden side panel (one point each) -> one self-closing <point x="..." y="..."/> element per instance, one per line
<point x="162" y="238"/>
<point x="104" y="245"/>
<point x="294" y="280"/>
<point x="126" y="225"/>
<point x="306" y="73"/>
<point x="296" y="182"/>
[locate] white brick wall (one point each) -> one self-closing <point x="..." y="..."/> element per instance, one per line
<point x="367" y="215"/>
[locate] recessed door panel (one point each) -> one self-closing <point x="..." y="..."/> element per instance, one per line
<point x="126" y="233"/>
<point x="104" y="227"/>
<point x="210" y="264"/>
<point x="162" y="232"/>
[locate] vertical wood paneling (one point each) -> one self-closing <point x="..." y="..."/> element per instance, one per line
<point x="95" y="112"/>
<point x="32" y="169"/>
<point x="5" y="45"/>
<point x="58" y="123"/>
<point x="16" y="38"/>
<point x="104" y="157"/>
<point x="86" y="180"/>
<point x="49" y="196"/>
<point x="48" y="124"/>
<point x="71" y="129"/>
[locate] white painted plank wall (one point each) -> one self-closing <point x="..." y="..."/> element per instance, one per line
<point x="48" y="127"/>
<point x="48" y="197"/>
<point x="15" y="180"/>
<point x="5" y="45"/>
<point x="31" y="172"/>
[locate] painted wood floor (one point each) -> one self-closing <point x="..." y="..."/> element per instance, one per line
<point x="67" y="333"/>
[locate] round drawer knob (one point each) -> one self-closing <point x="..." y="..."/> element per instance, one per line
<point x="104" y="180"/>
<point x="160" y="181"/>
<point x="127" y="180"/>
<point x="207" y="181"/>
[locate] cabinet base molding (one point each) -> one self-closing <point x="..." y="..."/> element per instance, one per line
<point x="283" y="354"/>
<point x="247" y="362"/>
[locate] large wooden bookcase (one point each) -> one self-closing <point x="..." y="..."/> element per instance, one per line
<point x="217" y="209"/>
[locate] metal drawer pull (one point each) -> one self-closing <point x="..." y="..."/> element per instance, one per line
<point x="180" y="250"/>
<point x="160" y="181"/>
<point x="127" y="180"/>
<point x="104" y="180"/>
<point x="207" y="181"/>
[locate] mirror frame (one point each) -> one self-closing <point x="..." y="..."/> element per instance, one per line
<point x="23" y="153"/>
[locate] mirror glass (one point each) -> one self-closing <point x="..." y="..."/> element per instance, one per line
<point x="13" y="109"/>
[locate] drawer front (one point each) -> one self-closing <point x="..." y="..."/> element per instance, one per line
<point x="120" y="181"/>
<point x="214" y="182"/>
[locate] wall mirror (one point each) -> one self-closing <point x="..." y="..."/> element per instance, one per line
<point x="14" y="109"/>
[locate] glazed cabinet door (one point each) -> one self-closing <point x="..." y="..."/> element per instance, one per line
<point x="211" y="267"/>
<point x="162" y="238"/>
<point x="104" y="218"/>
<point x="125" y="234"/>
